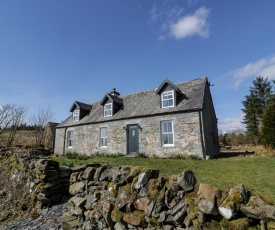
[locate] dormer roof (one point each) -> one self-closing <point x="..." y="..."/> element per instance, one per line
<point x="166" y="81"/>
<point x="114" y="99"/>
<point x="81" y="106"/>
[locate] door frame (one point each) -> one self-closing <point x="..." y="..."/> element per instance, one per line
<point x="128" y="136"/>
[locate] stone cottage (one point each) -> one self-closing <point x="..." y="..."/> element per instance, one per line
<point x="174" y="119"/>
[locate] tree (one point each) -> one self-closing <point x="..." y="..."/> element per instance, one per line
<point x="268" y="126"/>
<point x="11" y="117"/>
<point x="18" y="116"/>
<point x="39" y="121"/>
<point x="254" y="106"/>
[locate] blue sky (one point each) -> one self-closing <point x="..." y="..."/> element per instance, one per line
<point x="53" y="53"/>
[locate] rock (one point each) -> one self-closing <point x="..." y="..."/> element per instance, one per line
<point x="201" y="217"/>
<point x="44" y="164"/>
<point x="90" y="199"/>
<point x="159" y="204"/>
<point x="162" y="216"/>
<point x="120" y="174"/>
<point x="136" y="218"/>
<point x="120" y="226"/>
<point x="124" y="196"/>
<point x="257" y="209"/>
<point x="106" y="175"/>
<point x="69" y="221"/>
<point x="78" y="168"/>
<point x="89" y="173"/>
<point x="232" y="204"/>
<point x="76" y="188"/>
<point x="76" y="205"/>
<point x="99" y="171"/>
<point x="207" y="200"/>
<point x="116" y="215"/>
<point x="74" y="177"/>
<point x="142" y="204"/>
<point x="187" y="180"/>
<point x="144" y="177"/>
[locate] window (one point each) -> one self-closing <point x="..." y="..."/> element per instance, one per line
<point x="167" y="133"/>
<point x="76" y="115"/>
<point x="108" y="110"/>
<point x="167" y="99"/>
<point x="70" y="139"/>
<point x="103" y="137"/>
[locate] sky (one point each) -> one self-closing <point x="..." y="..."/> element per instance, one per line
<point x="53" y="53"/>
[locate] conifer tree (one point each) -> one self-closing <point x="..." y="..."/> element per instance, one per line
<point x="268" y="126"/>
<point x="254" y="106"/>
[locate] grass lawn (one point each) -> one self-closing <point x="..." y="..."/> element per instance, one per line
<point x="256" y="173"/>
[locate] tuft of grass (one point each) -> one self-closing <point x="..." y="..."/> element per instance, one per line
<point x="256" y="173"/>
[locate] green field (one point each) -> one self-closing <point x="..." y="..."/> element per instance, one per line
<point x="256" y="173"/>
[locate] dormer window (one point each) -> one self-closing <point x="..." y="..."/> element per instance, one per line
<point x="111" y="103"/>
<point x="170" y="95"/>
<point x="167" y="99"/>
<point x="108" y="108"/>
<point x="76" y="115"/>
<point x="79" y="110"/>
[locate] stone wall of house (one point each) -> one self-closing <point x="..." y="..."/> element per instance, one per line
<point x="210" y="129"/>
<point x="187" y="136"/>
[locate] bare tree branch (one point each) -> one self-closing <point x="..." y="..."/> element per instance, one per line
<point x="40" y="121"/>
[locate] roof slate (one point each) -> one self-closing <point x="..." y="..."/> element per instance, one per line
<point x="83" y="106"/>
<point x="147" y="103"/>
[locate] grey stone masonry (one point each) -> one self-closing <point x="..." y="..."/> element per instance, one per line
<point x="86" y="138"/>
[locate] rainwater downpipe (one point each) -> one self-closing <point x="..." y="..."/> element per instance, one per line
<point x="64" y="140"/>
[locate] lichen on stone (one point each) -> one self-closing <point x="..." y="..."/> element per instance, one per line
<point x="116" y="214"/>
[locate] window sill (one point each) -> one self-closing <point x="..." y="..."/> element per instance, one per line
<point x="168" y="146"/>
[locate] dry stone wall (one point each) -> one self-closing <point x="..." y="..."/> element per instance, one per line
<point x="105" y="197"/>
<point x="126" y="197"/>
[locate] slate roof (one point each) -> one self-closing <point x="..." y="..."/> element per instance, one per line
<point x="82" y="106"/>
<point x="147" y="103"/>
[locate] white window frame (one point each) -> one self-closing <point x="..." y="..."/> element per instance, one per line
<point x="168" y="133"/>
<point x="108" y="112"/>
<point x="76" y="115"/>
<point x="168" y="93"/>
<point x="103" y="137"/>
<point x="70" y="139"/>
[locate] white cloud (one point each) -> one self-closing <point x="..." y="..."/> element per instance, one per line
<point x="172" y="20"/>
<point x="231" y="124"/>
<point x="191" y="25"/>
<point x="264" y="67"/>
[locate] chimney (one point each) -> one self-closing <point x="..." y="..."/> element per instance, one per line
<point x="114" y="93"/>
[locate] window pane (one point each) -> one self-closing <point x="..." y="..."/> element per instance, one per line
<point x="103" y="141"/>
<point x="69" y="138"/>
<point x="108" y="106"/>
<point x="169" y="126"/>
<point x="170" y="138"/>
<point x="165" y="139"/>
